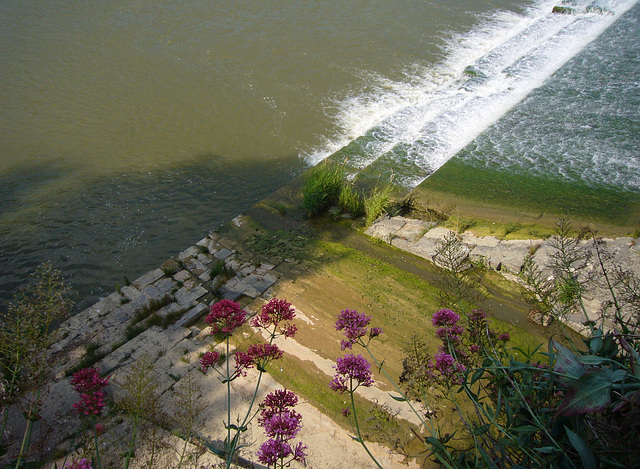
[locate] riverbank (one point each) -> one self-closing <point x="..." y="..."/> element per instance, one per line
<point x="321" y="266"/>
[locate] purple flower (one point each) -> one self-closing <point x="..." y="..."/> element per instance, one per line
<point x="445" y="317"/>
<point x="477" y="315"/>
<point x="354" y="325"/>
<point x="289" y="330"/>
<point x="449" y="367"/>
<point x="273" y="313"/>
<point x="88" y="380"/>
<point x="281" y="424"/>
<point x="225" y="316"/>
<point x="244" y="361"/>
<point x="504" y="337"/>
<point x="208" y="360"/>
<point x="450" y="333"/>
<point x="88" y="383"/>
<point x="79" y="464"/>
<point x="285" y="425"/>
<point x="276" y="401"/>
<point x="346" y="412"/>
<point x="351" y="371"/>
<point x="272" y="451"/>
<point x="258" y="355"/>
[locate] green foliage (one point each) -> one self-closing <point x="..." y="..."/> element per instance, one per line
<point x="221" y="268"/>
<point x="280" y="243"/>
<point x="350" y="200"/>
<point x="459" y="282"/>
<point x="376" y="203"/>
<point x="564" y="408"/>
<point x="151" y="307"/>
<point x="91" y="357"/>
<point x="526" y="192"/>
<point x="512" y="228"/>
<point x="139" y="399"/>
<point x="465" y="224"/>
<point x="322" y="188"/>
<point x="25" y="335"/>
<point x="402" y="207"/>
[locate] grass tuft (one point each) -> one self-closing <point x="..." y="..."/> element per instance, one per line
<point x="322" y="188"/>
<point x="376" y="203"/>
<point x="350" y="200"/>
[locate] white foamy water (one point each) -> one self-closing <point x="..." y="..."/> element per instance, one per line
<point x="412" y="127"/>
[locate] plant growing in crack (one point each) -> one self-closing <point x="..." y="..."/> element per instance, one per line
<point x="140" y="399"/>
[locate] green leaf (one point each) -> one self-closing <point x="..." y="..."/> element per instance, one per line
<point x="481" y="430"/>
<point x="397" y="398"/>
<point x="516" y="366"/>
<point x="595" y="343"/>
<point x="609" y="347"/>
<point x="586" y="456"/>
<point x="616" y="376"/>
<point x="567" y="364"/>
<point x="591" y="393"/>
<point x="477" y="375"/>
<point x="547" y="449"/>
<point x="592" y="360"/>
<point x="525" y="429"/>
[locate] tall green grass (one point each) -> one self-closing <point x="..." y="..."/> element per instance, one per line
<point x="321" y="188"/>
<point x="376" y="203"/>
<point x="350" y="200"/>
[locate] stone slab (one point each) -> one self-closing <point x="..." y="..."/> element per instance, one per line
<point x="148" y="278"/>
<point x="191" y="316"/>
<point x="188" y="297"/>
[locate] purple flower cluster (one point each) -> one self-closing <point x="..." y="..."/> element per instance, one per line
<point x="272" y="451"/>
<point x="352" y="371"/>
<point x="208" y="360"/>
<point x="79" y="464"/>
<point x="281" y="424"/>
<point x="449" y="368"/>
<point x="355" y="326"/>
<point x="258" y="355"/>
<point x="225" y="316"/>
<point x="445" y="317"/>
<point x="273" y="313"/>
<point x="88" y="383"/>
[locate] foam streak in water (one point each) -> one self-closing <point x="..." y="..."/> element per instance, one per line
<point x="411" y="128"/>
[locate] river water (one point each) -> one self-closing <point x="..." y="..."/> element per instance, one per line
<point x="130" y="129"/>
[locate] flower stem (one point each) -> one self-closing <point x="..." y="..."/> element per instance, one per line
<point x="26" y="440"/>
<point x="228" y="449"/>
<point x="95" y="439"/>
<point x="355" y="418"/>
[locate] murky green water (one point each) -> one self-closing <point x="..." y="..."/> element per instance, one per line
<point x="130" y="129"/>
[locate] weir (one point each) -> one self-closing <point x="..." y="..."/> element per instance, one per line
<point x="414" y="127"/>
